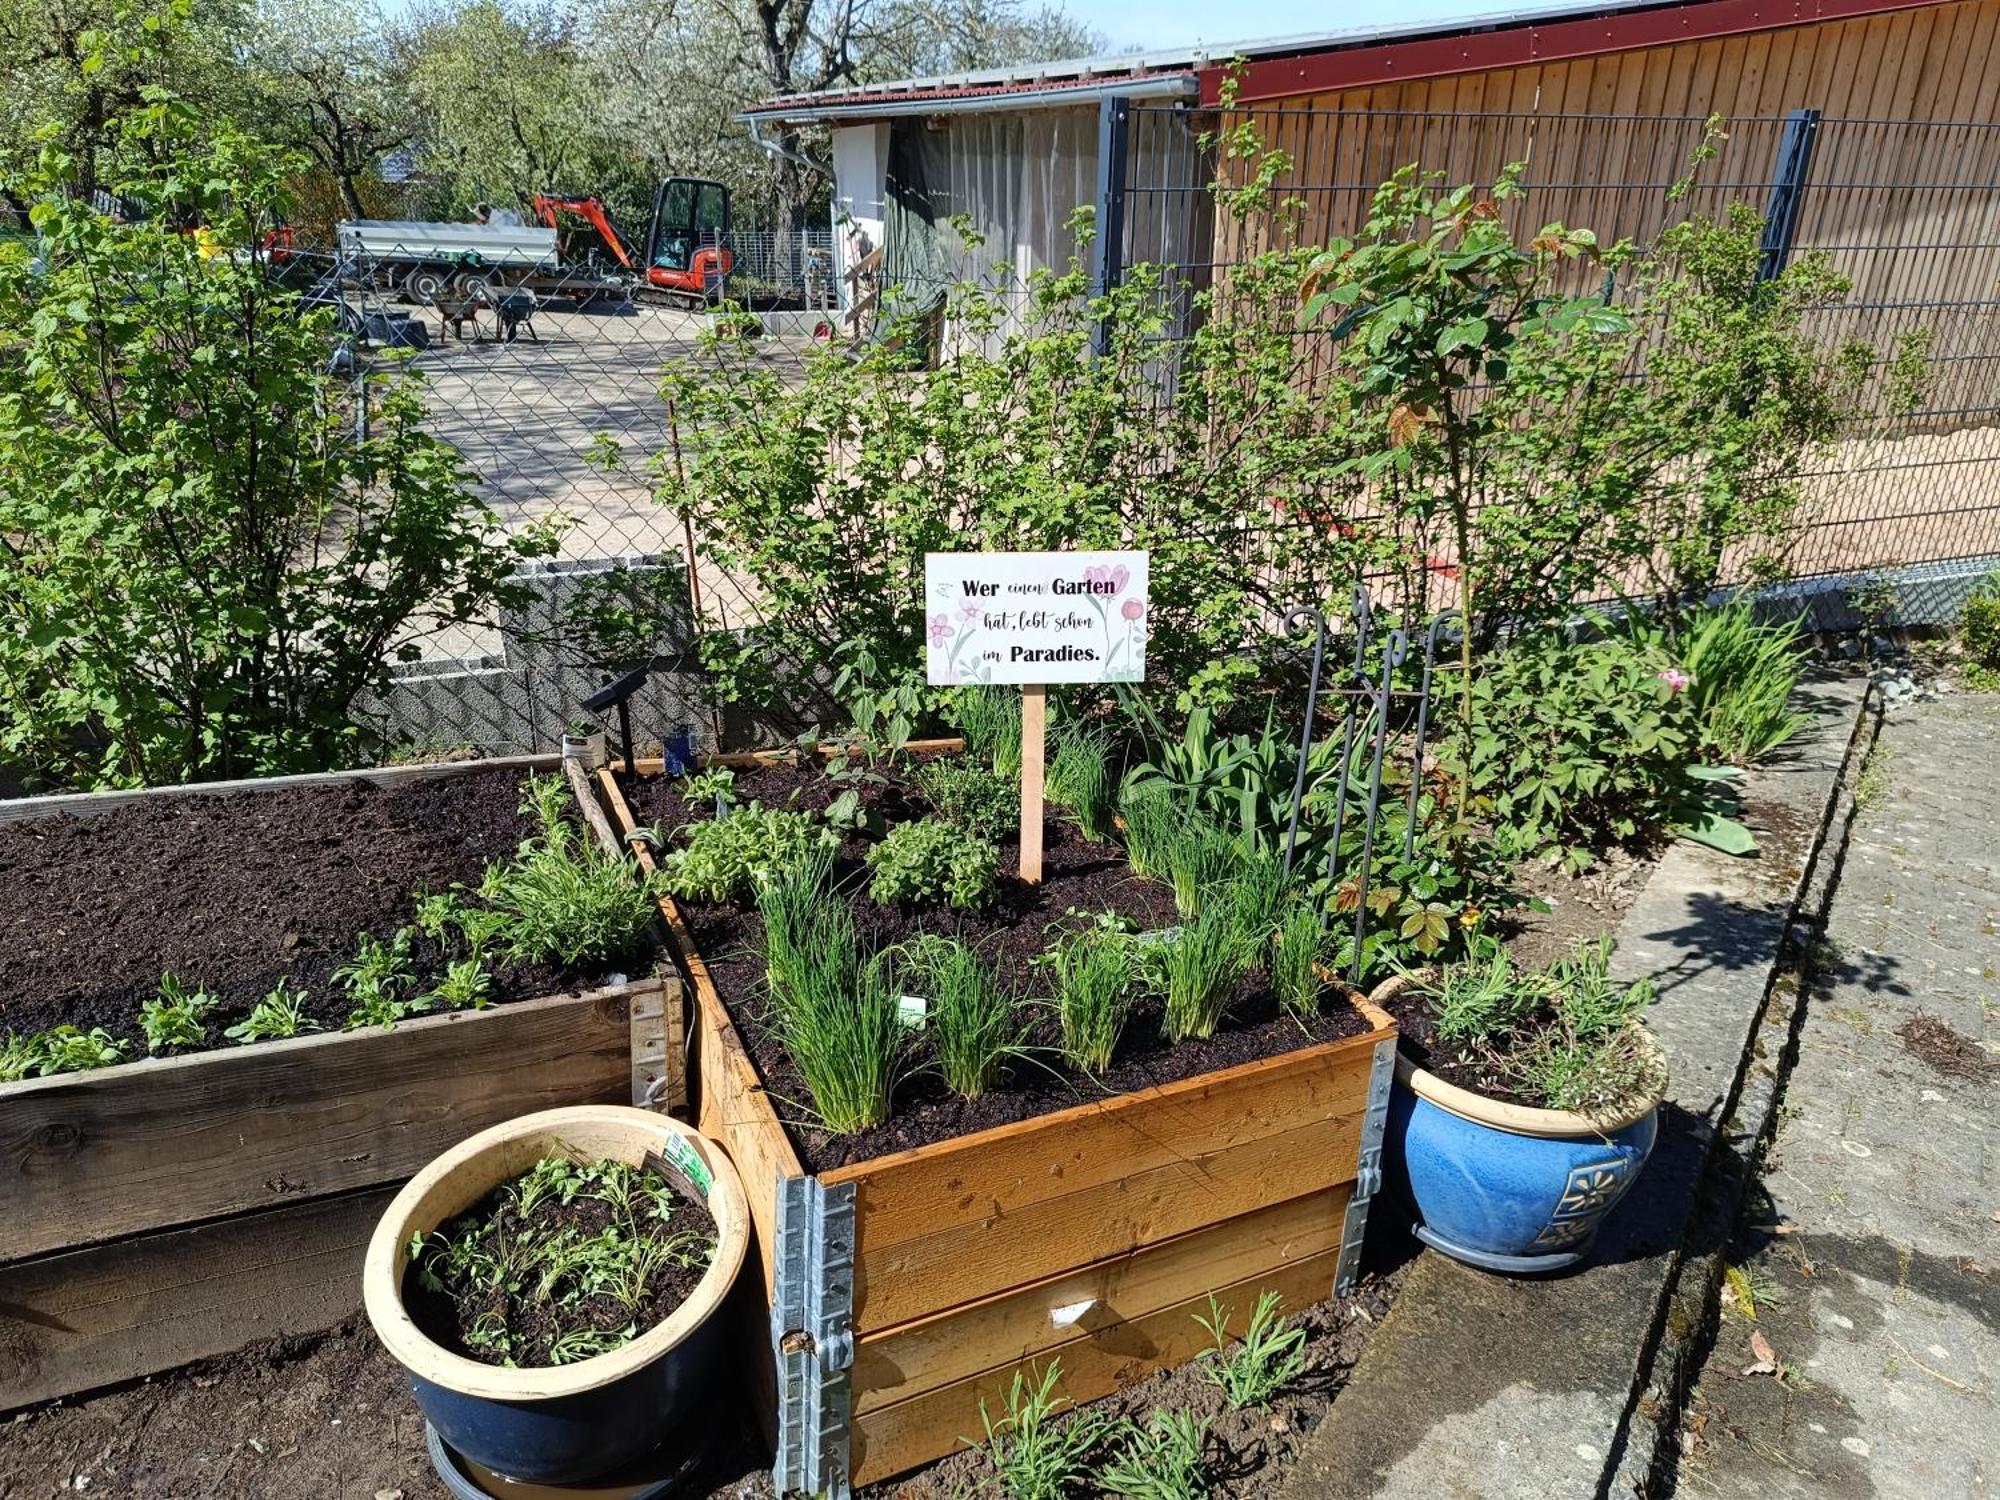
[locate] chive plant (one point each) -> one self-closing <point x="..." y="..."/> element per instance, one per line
<point x="1295" y="957"/>
<point x="974" y="1025"/>
<point x="839" y="1018"/>
<point x="1093" y="972"/>
<point x="1079" y="779"/>
<point x="1199" y="858"/>
<point x="1199" y="966"/>
<point x="1258" y="888"/>
<point x="1150" y="821"/>
<point x="794" y="901"/>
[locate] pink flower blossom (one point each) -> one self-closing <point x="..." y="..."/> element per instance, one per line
<point x="940" y="629"/>
<point x="1675" y="679"/>
<point x="1132" y="609"/>
<point x="1111" y="573"/>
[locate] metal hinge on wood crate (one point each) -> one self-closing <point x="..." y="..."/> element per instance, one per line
<point x="1368" y="1176"/>
<point x="812" y="1336"/>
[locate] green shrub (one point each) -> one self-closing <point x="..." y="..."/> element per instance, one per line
<point x="970" y="796"/>
<point x="1576" y="746"/>
<point x="727" y="859"/>
<point x="1979" y="634"/>
<point x="932" y="863"/>
<point x="209" y="560"/>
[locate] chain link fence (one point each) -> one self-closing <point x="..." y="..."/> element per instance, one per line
<point x="546" y="377"/>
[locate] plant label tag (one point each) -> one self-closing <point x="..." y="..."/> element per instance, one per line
<point x="1035" y="617"/>
<point x="687" y="1161"/>
<point x="913" y="1009"/>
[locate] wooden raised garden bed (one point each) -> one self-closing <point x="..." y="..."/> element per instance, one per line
<point x="176" y="1207"/>
<point x="907" y="1286"/>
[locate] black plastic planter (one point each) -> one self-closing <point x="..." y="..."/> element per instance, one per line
<point x="564" y="1423"/>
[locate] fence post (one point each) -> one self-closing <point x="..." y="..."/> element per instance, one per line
<point x="1788" y="190"/>
<point x="1113" y="120"/>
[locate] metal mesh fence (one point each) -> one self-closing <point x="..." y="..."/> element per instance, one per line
<point x="553" y="397"/>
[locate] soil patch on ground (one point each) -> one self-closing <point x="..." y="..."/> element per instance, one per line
<point x="1931" y="1041"/>
<point x="1081" y="881"/>
<point x="234" y="893"/>
<point x="1582" y="908"/>
<point x="331" y="1417"/>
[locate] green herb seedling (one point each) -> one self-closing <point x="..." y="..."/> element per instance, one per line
<point x="1032" y="1456"/>
<point x="176" y="1016"/>
<point x="1269" y="1357"/>
<point x="279" y="1014"/>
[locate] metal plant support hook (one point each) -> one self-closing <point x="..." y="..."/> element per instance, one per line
<point x="1395" y="650"/>
<point x="1432" y="638"/>
<point x="1357" y="683"/>
<point x="1305" y="614"/>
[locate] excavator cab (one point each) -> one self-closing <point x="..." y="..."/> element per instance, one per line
<point x="687" y="244"/>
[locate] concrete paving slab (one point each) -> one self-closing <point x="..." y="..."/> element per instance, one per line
<point x="1881" y="1302"/>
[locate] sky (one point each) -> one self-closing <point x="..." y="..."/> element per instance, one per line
<point x="1153" y="24"/>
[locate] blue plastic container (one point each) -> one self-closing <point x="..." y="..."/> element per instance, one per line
<point x="1504" y="1187"/>
<point x="566" y="1423"/>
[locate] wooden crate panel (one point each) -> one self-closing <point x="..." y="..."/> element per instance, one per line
<point x="91" y="1157"/>
<point x="899" y="1437"/>
<point x="88" y="1318"/>
<point x="1004" y="1331"/>
<point x="1014" y="1205"/>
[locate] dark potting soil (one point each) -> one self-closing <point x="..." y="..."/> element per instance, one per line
<point x="235" y="893"/>
<point x="533" y="1324"/>
<point x="1079" y="881"/>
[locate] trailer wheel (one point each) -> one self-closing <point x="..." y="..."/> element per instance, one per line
<point x="424" y="286"/>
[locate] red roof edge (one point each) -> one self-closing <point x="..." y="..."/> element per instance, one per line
<point x="1369" y="64"/>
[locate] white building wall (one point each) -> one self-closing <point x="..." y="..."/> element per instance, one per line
<point x="860" y="172"/>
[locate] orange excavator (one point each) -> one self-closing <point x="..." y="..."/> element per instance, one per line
<point x="687" y="252"/>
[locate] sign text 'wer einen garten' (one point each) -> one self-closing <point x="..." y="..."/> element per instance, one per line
<point x="1035" y="617"/>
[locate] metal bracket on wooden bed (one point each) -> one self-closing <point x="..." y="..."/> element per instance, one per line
<point x="812" y="1336"/>
<point x="1368" y="1179"/>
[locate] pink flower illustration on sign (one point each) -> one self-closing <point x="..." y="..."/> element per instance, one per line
<point x="940" y="629"/>
<point x="968" y="611"/>
<point x="1108" y="573"/>
<point x="1132" y="609"/>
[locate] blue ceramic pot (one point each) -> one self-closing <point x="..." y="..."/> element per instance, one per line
<point x="560" y="1424"/>
<point x="1502" y="1186"/>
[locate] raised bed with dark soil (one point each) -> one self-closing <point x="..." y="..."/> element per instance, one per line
<point x="235" y="893"/>
<point x="1079" y="879"/>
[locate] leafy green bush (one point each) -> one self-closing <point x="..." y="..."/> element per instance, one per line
<point x="210" y="560"/>
<point x="727" y="859"/>
<point x="1576" y="746"/>
<point x="931" y="863"/>
<point x="963" y="792"/>
<point x="1979" y="634"/>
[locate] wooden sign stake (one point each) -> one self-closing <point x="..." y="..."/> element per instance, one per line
<point x="1034" y="731"/>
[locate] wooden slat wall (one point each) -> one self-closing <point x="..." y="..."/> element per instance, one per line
<point x="1896" y="185"/>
